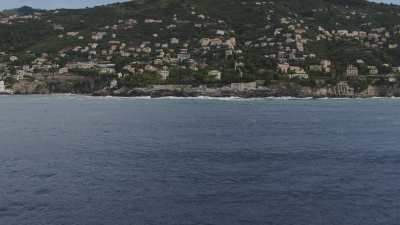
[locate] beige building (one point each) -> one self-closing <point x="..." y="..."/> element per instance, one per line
<point x="164" y="73"/>
<point x="343" y="89"/>
<point x="326" y="66"/>
<point x="298" y="76"/>
<point x="373" y="70"/>
<point x="352" y="71"/>
<point x="216" y="74"/>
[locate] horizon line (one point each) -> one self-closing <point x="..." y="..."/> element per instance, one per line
<point x="122" y="1"/>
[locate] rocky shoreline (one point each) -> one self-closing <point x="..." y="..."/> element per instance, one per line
<point x="241" y="90"/>
<point x="278" y="90"/>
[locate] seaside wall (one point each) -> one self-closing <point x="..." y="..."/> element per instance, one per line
<point x="245" y="90"/>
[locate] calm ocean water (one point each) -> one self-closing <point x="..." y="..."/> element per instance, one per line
<point x="72" y="160"/>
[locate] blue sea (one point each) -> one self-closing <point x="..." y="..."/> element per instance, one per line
<point x="76" y="160"/>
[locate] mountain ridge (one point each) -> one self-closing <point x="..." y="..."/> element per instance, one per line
<point x="22" y="11"/>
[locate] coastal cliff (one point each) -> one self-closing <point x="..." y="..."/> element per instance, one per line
<point x="75" y="85"/>
<point x="273" y="90"/>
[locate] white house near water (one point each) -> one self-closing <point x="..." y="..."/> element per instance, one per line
<point x="3" y="89"/>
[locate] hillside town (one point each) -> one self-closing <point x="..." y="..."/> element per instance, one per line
<point x="194" y="49"/>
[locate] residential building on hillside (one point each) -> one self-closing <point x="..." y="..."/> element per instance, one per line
<point x="352" y="71"/>
<point x="216" y="74"/>
<point x="373" y="70"/>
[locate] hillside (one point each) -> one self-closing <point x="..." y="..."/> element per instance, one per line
<point x="310" y="42"/>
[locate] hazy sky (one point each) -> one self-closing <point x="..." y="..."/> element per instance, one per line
<point x="51" y="4"/>
<point x="389" y="1"/>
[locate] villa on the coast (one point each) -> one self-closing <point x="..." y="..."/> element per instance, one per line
<point x="3" y="89"/>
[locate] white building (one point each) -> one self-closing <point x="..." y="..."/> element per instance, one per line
<point x="373" y="70"/>
<point x="326" y="65"/>
<point x="164" y="73"/>
<point x="2" y="87"/>
<point x="63" y="70"/>
<point x="174" y="41"/>
<point x="216" y="74"/>
<point x="13" y="58"/>
<point x="283" y="68"/>
<point x="298" y="76"/>
<point x="352" y="71"/>
<point x="98" y="35"/>
<point x="81" y="65"/>
<point x="107" y="70"/>
<point x="113" y="84"/>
